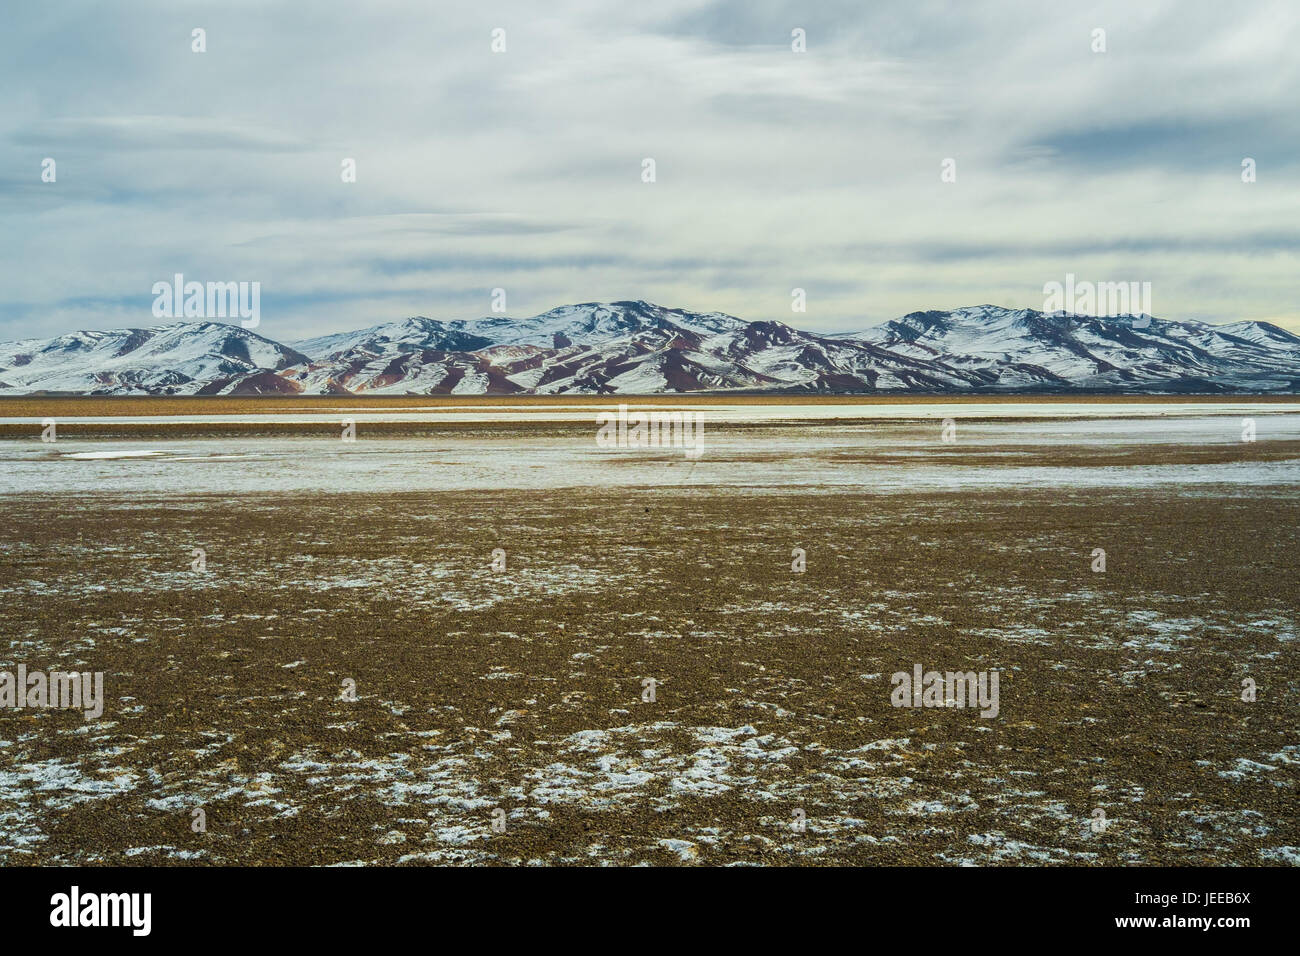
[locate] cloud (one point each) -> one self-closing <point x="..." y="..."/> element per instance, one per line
<point x="106" y="133"/>
<point x="522" y="170"/>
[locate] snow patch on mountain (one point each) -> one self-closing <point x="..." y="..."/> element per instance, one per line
<point x="177" y="359"/>
<point x="635" y="347"/>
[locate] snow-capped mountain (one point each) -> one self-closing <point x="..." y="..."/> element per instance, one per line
<point x="184" y="358"/>
<point x="588" y="322"/>
<point x="572" y="348"/>
<point x="1028" y="349"/>
<point x="639" y="348"/>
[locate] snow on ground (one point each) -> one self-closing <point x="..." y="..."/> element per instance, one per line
<point x="882" y="457"/>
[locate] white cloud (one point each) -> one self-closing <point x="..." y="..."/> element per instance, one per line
<point x="522" y="170"/>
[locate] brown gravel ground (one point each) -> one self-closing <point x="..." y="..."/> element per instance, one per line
<point x="1120" y="691"/>
<point x="58" y="407"/>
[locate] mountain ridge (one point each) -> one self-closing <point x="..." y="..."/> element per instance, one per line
<point x="634" y="347"/>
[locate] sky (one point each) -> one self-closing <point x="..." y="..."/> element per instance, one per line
<point x="523" y="169"/>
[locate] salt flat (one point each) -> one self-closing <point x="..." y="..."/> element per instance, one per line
<point x="765" y="449"/>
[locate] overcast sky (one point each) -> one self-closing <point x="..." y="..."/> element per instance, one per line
<point x="523" y="169"/>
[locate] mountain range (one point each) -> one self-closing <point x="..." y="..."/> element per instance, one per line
<point x="637" y="348"/>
